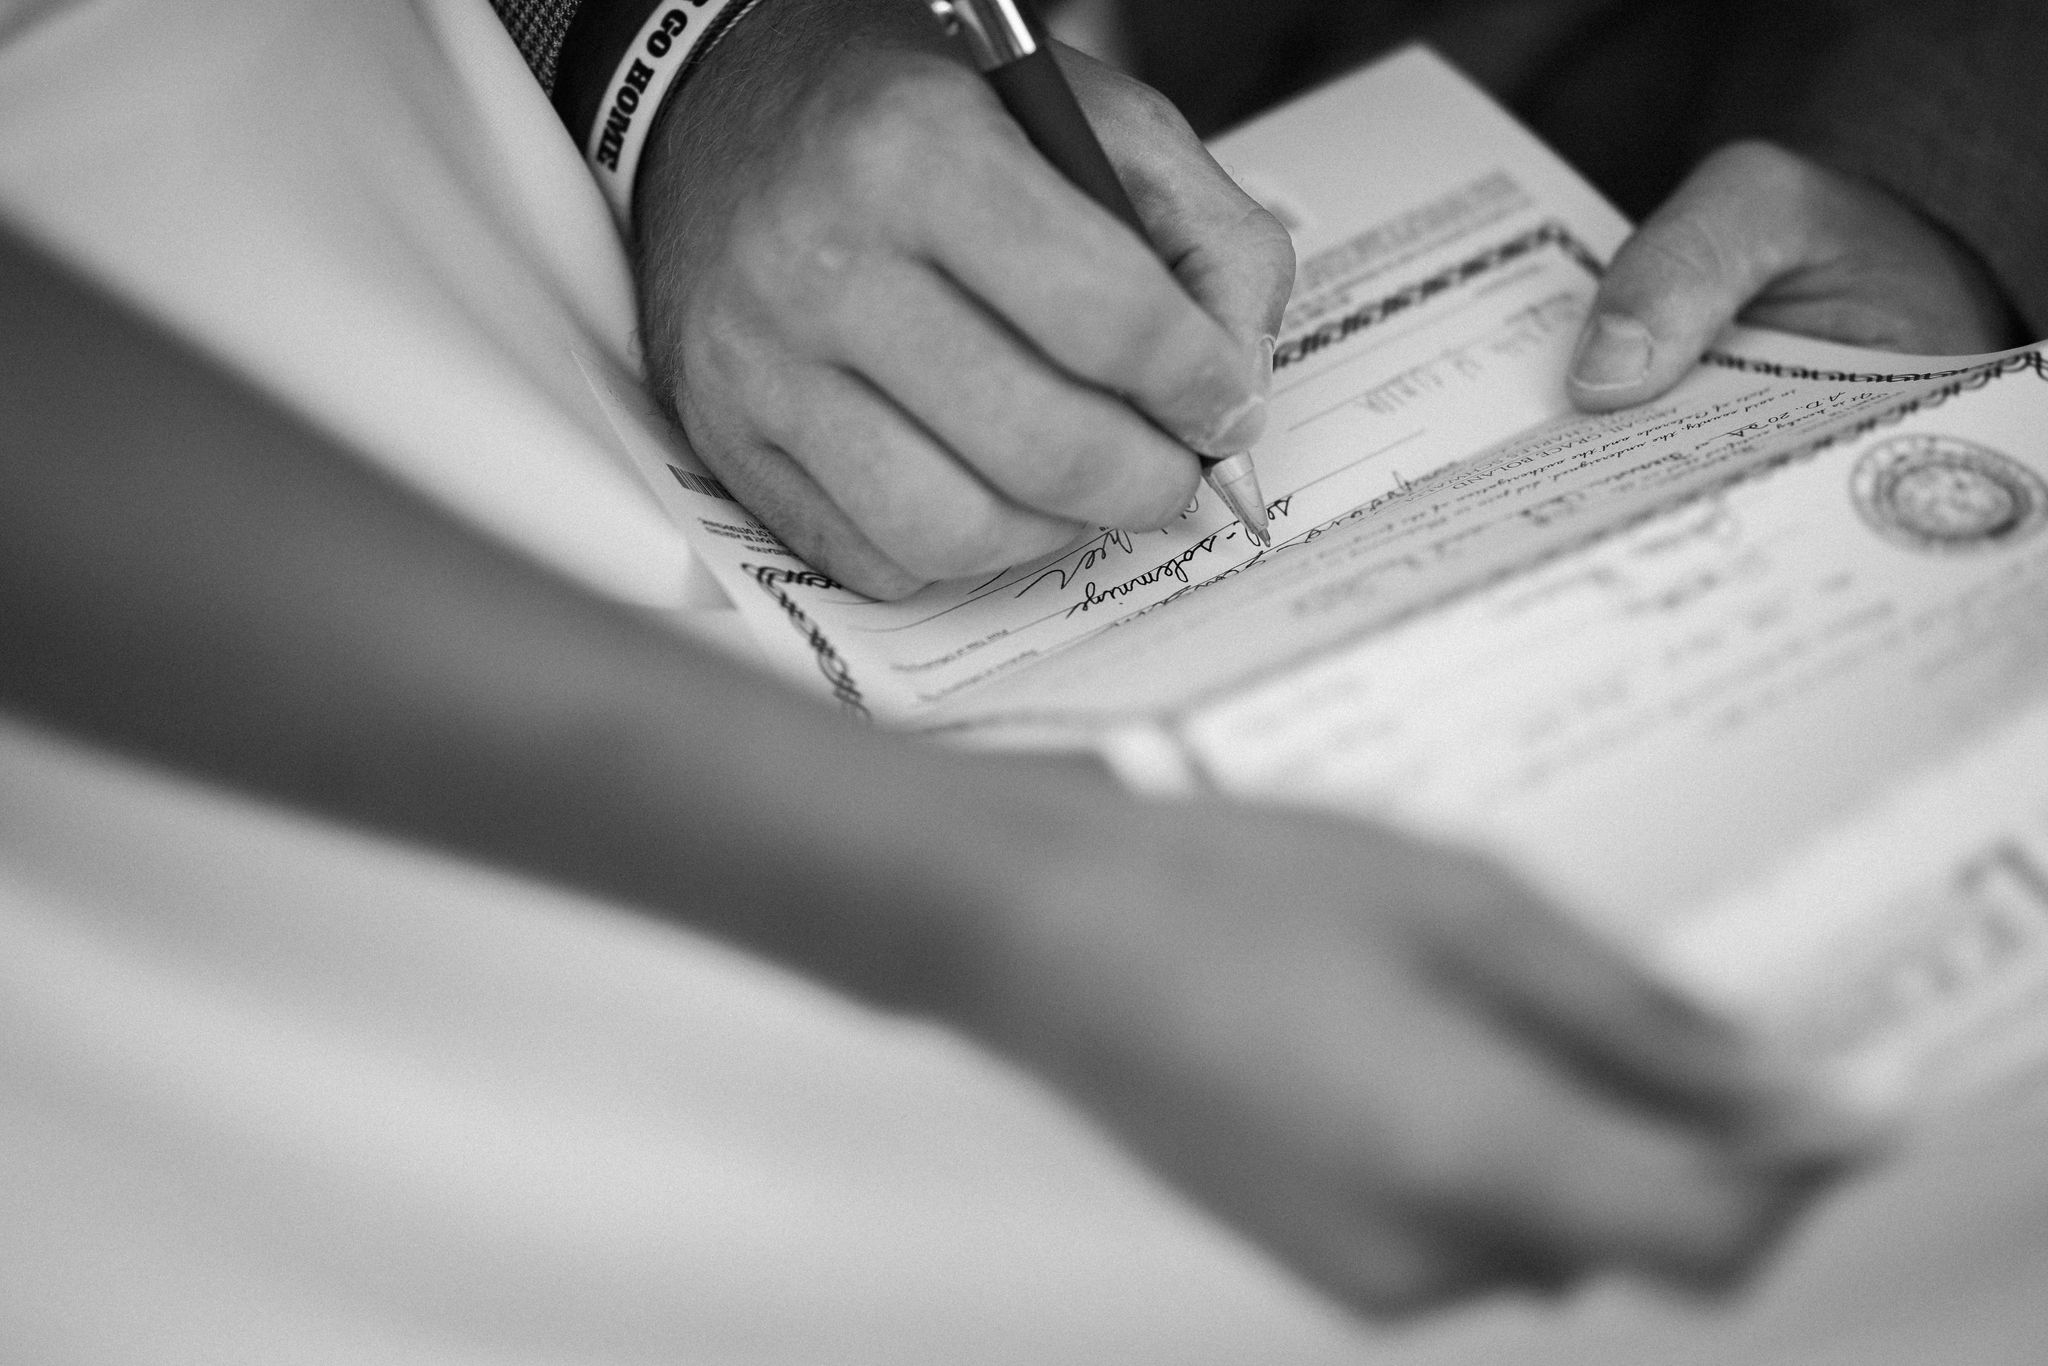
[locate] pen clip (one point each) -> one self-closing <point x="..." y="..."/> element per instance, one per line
<point x="997" y="31"/>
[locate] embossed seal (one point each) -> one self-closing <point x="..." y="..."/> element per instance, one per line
<point x="1946" y="495"/>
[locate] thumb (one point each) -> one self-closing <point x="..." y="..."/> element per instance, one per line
<point x="1727" y="233"/>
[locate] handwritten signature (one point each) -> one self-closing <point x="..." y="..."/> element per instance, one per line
<point x="1112" y="543"/>
<point x="1094" y="551"/>
<point x="1175" y="568"/>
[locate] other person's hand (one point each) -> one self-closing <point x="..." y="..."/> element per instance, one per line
<point x="1765" y="235"/>
<point x="1397" y="1068"/>
<point x="902" y="338"/>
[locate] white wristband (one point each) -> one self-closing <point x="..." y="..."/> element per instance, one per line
<point x="674" y="36"/>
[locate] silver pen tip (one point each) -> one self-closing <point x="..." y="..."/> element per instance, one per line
<point x="1238" y="485"/>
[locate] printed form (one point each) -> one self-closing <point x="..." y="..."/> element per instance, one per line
<point x="1440" y="292"/>
<point x="1752" y="677"/>
<point x="1788" y="739"/>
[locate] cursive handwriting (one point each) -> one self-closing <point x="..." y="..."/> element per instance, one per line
<point x="1094" y="551"/>
<point x="1175" y="568"/>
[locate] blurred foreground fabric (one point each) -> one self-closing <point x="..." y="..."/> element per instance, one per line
<point x="271" y="1090"/>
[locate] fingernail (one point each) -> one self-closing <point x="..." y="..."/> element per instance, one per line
<point x="1267" y="346"/>
<point x="1614" y="354"/>
<point x="1237" y="430"/>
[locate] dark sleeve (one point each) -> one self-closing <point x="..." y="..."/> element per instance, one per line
<point x="574" y="47"/>
<point x="1945" y="102"/>
<point x="538" y="26"/>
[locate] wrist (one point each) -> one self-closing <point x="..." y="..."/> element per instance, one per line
<point x="985" y="856"/>
<point x="973" y="866"/>
<point x="619" y="62"/>
<point x="895" y="871"/>
<point x="1073" y="881"/>
<point x="740" y="99"/>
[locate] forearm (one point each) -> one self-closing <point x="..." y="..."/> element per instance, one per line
<point x="188" y="572"/>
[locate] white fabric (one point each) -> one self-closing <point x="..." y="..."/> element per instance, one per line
<point x="370" y="208"/>
<point x="272" y="1091"/>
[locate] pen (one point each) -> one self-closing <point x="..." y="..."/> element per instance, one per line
<point x="1011" y="47"/>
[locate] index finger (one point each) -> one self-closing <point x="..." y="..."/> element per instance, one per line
<point x="1090" y="295"/>
<point x="1232" y="255"/>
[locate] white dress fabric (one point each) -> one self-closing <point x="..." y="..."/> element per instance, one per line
<point x="272" y="1091"/>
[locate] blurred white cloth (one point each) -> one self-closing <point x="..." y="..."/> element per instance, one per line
<point x="370" y="209"/>
<point x="275" y="1091"/>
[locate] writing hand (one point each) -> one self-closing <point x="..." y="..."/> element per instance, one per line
<point x="1761" y="233"/>
<point x="902" y="338"/>
<point x="1398" y="1069"/>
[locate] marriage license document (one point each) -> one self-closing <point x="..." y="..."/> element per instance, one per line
<point x="1754" y="677"/>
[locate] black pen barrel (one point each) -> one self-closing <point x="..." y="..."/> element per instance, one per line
<point x="1043" y="104"/>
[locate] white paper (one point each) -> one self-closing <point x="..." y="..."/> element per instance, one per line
<point x="1788" y="739"/>
<point x="1465" y="254"/>
<point x="1421" y="442"/>
<point x="1723" y="672"/>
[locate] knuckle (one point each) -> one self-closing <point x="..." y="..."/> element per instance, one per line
<point x="809" y="279"/>
<point x="1103" y="353"/>
<point x="796" y="266"/>
<point x="1684" y="252"/>
<point x="1161" y="326"/>
<point x="1155" y="113"/>
<point x="1146" y="339"/>
<point x="1185" y="379"/>
<point x="1753" y="161"/>
<point x="1775" y="175"/>
<point x="1129" y="107"/>
<point x="890" y="127"/>
<point x="1070" y="469"/>
<point x="890" y="135"/>
<point x="1100" y="471"/>
<point x="875" y="150"/>
<point x="1748" y="213"/>
<point x="1269" y="246"/>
